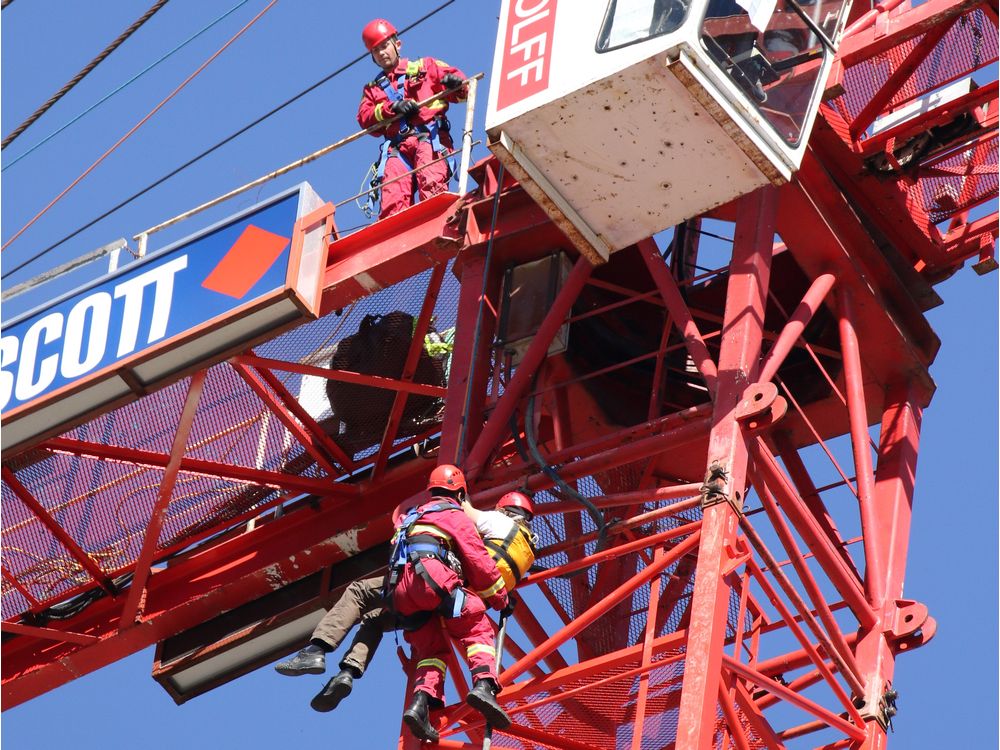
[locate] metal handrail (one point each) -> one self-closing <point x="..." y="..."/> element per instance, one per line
<point x="143" y="237"/>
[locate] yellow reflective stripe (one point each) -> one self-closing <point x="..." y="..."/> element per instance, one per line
<point x="422" y="528"/>
<point x="379" y="116"/>
<point x="434" y="663"/>
<point x="414" y="66"/>
<point x="492" y="589"/>
<point x="480" y="648"/>
<point x="437" y="104"/>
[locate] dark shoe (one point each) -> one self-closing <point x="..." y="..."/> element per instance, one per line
<point x="416" y="718"/>
<point x="482" y="697"/>
<point x="338" y="688"/>
<point x="310" y="660"/>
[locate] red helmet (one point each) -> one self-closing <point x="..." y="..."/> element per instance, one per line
<point x="447" y="477"/>
<point x="376" y="32"/>
<point x="516" y="500"/>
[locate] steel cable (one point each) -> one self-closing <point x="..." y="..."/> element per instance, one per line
<point x="127" y="83"/>
<point x="139" y="124"/>
<point x="83" y="73"/>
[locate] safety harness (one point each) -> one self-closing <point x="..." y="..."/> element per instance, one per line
<point x="390" y="146"/>
<point x="413" y="546"/>
<point x="513" y="554"/>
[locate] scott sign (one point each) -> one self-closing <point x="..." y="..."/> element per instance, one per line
<point x="195" y="290"/>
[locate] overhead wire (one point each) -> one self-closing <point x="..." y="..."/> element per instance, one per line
<point x="216" y="146"/>
<point x="139" y="124"/>
<point x="84" y="72"/>
<point x="127" y="83"/>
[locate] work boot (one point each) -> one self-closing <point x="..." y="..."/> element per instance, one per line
<point x="310" y="660"/>
<point x="416" y="718"/>
<point x="483" y="698"/>
<point x="338" y="688"/>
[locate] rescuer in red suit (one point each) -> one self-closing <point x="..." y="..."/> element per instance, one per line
<point x="412" y="140"/>
<point x="423" y="580"/>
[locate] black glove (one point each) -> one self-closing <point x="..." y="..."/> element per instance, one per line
<point x="509" y="609"/>
<point x="452" y="81"/>
<point x="407" y="108"/>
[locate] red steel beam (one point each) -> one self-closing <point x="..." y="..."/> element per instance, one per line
<point x="306" y="439"/>
<point x="131" y="609"/>
<point x="647" y="655"/>
<point x="51" y="634"/>
<point x="796" y="324"/>
<point x="833" y="635"/>
<point x="810" y="494"/>
<point x="825" y="235"/>
<point x="313" y="429"/>
<point x="423" y="323"/>
<point x="85" y="560"/>
<point x="835" y="721"/>
<point x="16" y="584"/>
<point x="766" y="471"/>
<point x="755" y="716"/>
<point x="612" y="553"/>
<point x="858" y="414"/>
<point x="344" y="376"/>
<point x="679" y="313"/>
<point x="463" y="412"/>
<point x="739" y="356"/>
<point x="894" y="485"/>
<point x="198" y="466"/>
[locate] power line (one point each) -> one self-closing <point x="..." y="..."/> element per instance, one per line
<point x="82" y="74"/>
<point x="217" y="146"/>
<point x="130" y="81"/>
<point x="139" y="124"/>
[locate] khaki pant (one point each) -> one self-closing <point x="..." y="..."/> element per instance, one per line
<point x="361" y="602"/>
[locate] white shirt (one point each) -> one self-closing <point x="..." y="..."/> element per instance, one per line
<point x="492" y="524"/>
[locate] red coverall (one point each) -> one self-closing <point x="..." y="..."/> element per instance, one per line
<point x="422" y="79"/>
<point x="472" y="628"/>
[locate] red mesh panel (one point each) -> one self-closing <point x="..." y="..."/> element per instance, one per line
<point x="148" y="424"/>
<point x="973" y="180"/>
<point x="971" y="43"/>
<point x="602" y="713"/>
<point x="34" y="557"/>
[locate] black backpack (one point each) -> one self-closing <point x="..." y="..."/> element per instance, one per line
<point x="379" y="348"/>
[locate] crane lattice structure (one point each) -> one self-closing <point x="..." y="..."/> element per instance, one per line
<point x="723" y="458"/>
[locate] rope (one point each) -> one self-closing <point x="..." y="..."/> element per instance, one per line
<point x="82" y="74"/>
<point x="139" y="124"/>
<point x="211" y="149"/>
<point x="131" y="80"/>
<point x="460" y="444"/>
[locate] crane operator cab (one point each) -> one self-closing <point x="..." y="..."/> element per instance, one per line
<point x="625" y="117"/>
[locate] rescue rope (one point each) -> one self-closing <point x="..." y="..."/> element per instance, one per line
<point x="139" y="124"/>
<point x="131" y="80"/>
<point x="460" y="443"/>
<point x="83" y="73"/>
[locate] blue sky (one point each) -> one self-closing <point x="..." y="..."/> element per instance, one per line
<point x="948" y="690"/>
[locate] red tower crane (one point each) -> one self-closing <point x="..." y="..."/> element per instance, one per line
<point x="721" y="437"/>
